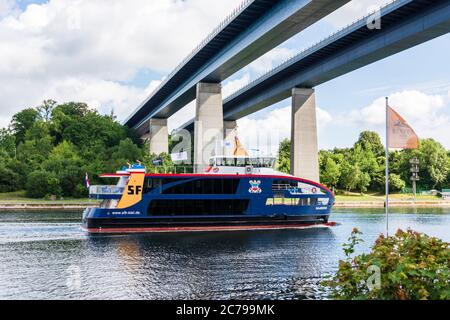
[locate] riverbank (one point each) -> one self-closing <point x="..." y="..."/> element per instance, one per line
<point x="353" y="200"/>
<point x="394" y="203"/>
<point x="71" y="206"/>
<point x="30" y="206"/>
<point x="19" y="202"/>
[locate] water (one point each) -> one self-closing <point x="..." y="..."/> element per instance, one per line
<point x="47" y="256"/>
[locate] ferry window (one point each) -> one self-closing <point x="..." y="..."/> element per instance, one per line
<point x="307" y="202"/>
<point x="198" y="207"/>
<point x="219" y="162"/>
<point x="254" y="162"/>
<point x="151" y="184"/>
<point x="267" y="162"/>
<point x="240" y="162"/>
<point x="211" y="162"/>
<point x="230" y="162"/>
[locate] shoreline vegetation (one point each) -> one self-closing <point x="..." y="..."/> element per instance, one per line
<point x="50" y="149"/>
<point x="19" y="201"/>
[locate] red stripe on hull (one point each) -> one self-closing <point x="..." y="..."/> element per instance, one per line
<point x="218" y="228"/>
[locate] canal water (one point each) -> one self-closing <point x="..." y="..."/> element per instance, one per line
<point x="47" y="256"/>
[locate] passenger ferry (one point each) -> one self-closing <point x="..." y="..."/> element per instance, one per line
<point x="234" y="193"/>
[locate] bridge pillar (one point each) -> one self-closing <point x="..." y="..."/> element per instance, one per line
<point x="158" y="136"/>
<point x="208" y="126"/>
<point x="304" y="149"/>
<point x="230" y="134"/>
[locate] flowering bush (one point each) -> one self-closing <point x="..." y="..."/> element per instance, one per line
<point x="408" y="265"/>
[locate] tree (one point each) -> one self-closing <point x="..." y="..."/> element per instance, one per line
<point x="7" y="142"/>
<point x="9" y="180"/>
<point x="433" y="163"/>
<point x="45" y="110"/>
<point x="127" y="151"/>
<point x="331" y="173"/>
<point x="42" y="183"/>
<point x="350" y="175"/>
<point x="370" y="141"/>
<point x="395" y="182"/>
<point x="363" y="181"/>
<point x="166" y="164"/>
<point x="22" y="121"/>
<point x="284" y="156"/>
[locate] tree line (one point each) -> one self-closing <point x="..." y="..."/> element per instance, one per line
<point x="362" y="167"/>
<point x="47" y="150"/>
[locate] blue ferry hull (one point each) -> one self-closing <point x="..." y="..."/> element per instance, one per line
<point x="211" y="202"/>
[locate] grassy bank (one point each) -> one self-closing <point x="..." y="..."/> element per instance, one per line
<point x="350" y="197"/>
<point x="20" y="197"/>
<point x="19" y="201"/>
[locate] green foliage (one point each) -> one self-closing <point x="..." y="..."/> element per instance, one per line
<point x="411" y="265"/>
<point x="330" y="173"/>
<point x="284" y="156"/>
<point x="22" y="121"/>
<point x="362" y="167"/>
<point x="42" y="183"/>
<point x="9" y="180"/>
<point x="7" y="142"/>
<point x="395" y="182"/>
<point x="433" y="163"/>
<point x="370" y="141"/>
<point x="59" y="144"/>
<point x="165" y="166"/>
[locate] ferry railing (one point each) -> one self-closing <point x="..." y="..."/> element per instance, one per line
<point x="106" y="190"/>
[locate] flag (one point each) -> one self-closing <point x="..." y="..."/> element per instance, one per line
<point x="401" y="135"/>
<point x="87" y="181"/>
<point x="239" y="150"/>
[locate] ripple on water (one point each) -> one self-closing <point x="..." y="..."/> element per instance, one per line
<point x="40" y="256"/>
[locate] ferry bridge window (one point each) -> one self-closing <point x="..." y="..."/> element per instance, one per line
<point x="231" y="162"/>
<point x="153" y="183"/>
<point x="193" y="207"/>
<point x="219" y="162"/>
<point x="240" y="162"/>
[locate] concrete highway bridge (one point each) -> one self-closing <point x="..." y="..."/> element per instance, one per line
<point x="254" y="29"/>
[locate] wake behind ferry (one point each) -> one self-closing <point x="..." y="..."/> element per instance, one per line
<point x="234" y="193"/>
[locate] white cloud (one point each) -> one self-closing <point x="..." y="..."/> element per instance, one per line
<point x="7" y="7"/>
<point x="85" y="50"/>
<point x="232" y="86"/>
<point x="426" y="113"/>
<point x="271" y="59"/>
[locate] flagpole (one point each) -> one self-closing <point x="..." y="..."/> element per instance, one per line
<point x="387" y="169"/>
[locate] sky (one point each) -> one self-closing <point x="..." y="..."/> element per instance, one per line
<point x="112" y="54"/>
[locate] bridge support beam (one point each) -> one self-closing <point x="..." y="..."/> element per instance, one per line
<point x="208" y="126"/>
<point x="158" y="136"/>
<point x="304" y="148"/>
